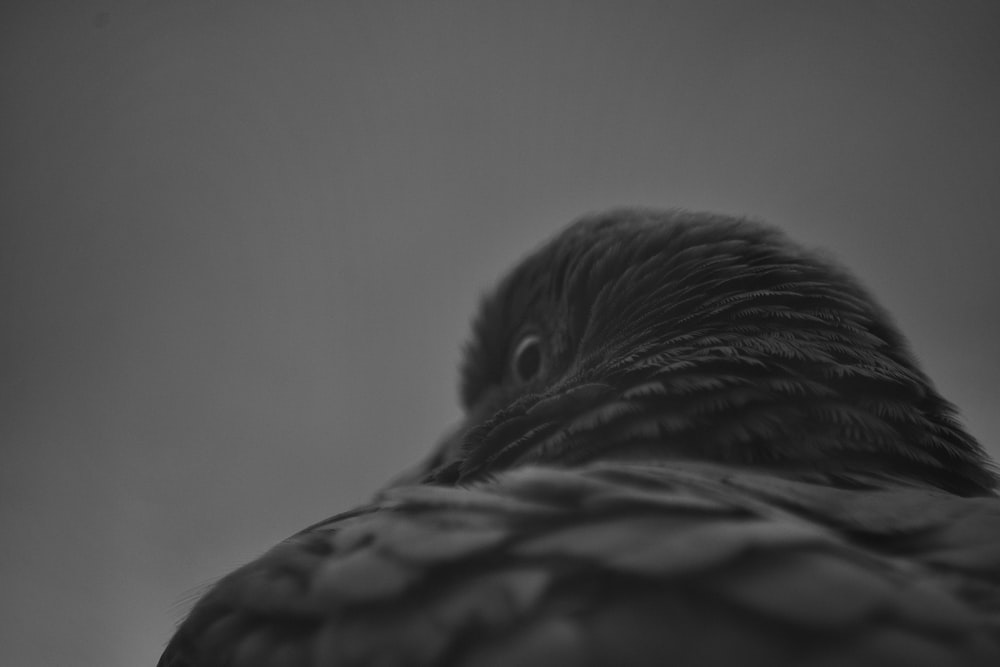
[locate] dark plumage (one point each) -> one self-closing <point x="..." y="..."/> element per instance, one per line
<point x="688" y="441"/>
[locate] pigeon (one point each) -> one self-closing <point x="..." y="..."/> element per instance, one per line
<point x="687" y="440"/>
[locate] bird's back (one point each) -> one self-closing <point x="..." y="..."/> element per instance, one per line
<point x="624" y="564"/>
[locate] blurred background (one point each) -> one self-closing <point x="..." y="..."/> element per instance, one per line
<point x="240" y="241"/>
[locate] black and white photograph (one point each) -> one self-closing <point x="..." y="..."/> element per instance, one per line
<point x="443" y="333"/>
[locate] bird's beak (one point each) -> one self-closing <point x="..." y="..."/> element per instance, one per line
<point x="443" y="455"/>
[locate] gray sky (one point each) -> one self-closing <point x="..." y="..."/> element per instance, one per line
<point x="241" y="241"/>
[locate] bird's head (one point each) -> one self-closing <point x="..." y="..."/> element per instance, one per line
<point x="668" y="335"/>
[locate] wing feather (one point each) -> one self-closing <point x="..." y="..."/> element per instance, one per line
<point x="636" y="561"/>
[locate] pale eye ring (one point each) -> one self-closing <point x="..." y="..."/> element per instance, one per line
<point x="526" y="361"/>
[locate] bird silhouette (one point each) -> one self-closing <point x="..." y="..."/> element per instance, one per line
<point x="687" y="441"/>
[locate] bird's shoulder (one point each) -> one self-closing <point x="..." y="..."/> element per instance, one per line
<point x="618" y="563"/>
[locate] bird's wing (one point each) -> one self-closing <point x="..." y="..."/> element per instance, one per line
<point x="619" y="564"/>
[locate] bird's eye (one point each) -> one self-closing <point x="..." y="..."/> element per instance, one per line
<point x="526" y="362"/>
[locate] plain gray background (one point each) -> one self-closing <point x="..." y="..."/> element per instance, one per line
<point x="241" y="241"/>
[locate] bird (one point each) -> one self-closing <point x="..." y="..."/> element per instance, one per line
<point x="686" y="440"/>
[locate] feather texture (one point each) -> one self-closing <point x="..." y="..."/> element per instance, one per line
<point x="547" y="566"/>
